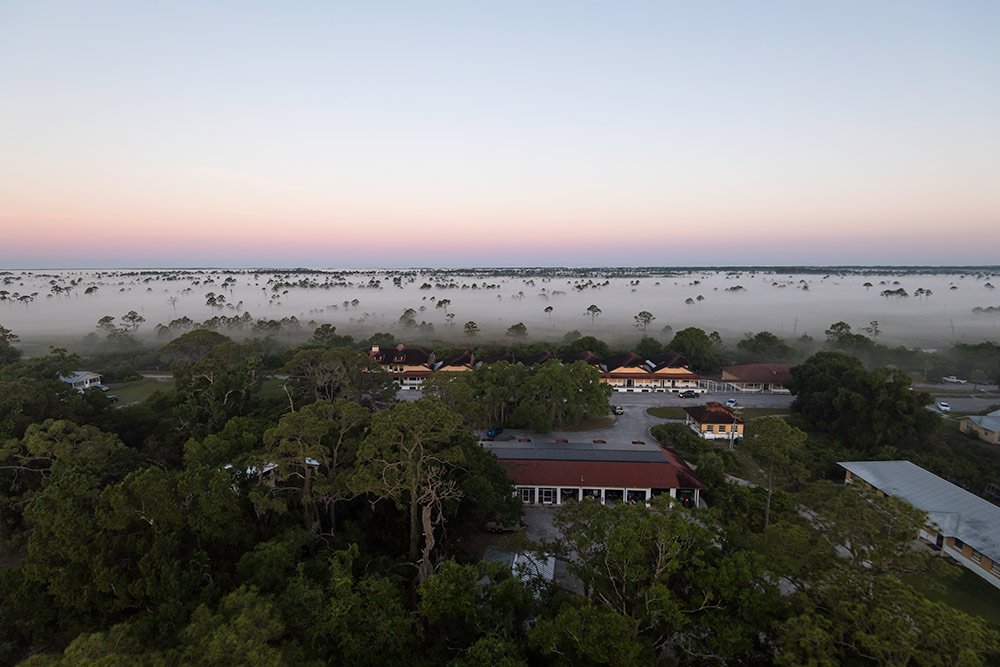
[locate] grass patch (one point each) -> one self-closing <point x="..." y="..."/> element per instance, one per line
<point x="131" y="393"/>
<point x="667" y="412"/>
<point x="964" y="591"/>
<point x="589" y="424"/>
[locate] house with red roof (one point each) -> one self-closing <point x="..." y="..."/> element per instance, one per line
<point x="714" y="421"/>
<point x="757" y="378"/>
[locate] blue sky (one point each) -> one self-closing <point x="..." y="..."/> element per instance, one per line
<point x="499" y="133"/>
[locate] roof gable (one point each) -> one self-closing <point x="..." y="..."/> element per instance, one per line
<point x="713" y="412"/>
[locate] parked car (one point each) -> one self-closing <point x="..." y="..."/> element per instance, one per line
<point x="618" y="410"/>
<point x="500" y="527"/>
<point x="494" y="431"/>
<point x="943" y="407"/>
<point x="952" y="379"/>
<point x="690" y="393"/>
<point x="113" y="399"/>
<point x="100" y="387"/>
<point x="731" y="403"/>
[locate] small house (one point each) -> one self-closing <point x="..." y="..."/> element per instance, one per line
<point x="985" y="427"/>
<point x="714" y="421"/>
<point x="81" y="380"/>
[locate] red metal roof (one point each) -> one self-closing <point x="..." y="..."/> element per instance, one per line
<point x="761" y="373"/>
<point x="596" y="474"/>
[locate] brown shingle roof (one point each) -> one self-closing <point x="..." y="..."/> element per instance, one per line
<point x="629" y="359"/>
<point x="507" y="356"/>
<point x="464" y="359"/>
<point x="586" y="357"/>
<point x="761" y="373"/>
<point x="713" y="412"/>
<point x="410" y="356"/>
<point x="669" y="360"/>
<point x="539" y="358"/>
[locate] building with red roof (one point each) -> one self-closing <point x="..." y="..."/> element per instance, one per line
<point x="714" y="421"/>
<point x="553" y="473"/>
<point x="766" y="378"/>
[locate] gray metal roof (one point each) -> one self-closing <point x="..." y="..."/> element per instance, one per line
<point x="990" y="422"/>
<point x="575" y="451"/>
<point x="76" y="376"/>
<point x="954" y="510"/>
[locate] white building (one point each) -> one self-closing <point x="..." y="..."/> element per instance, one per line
<point x="81" y="380"/>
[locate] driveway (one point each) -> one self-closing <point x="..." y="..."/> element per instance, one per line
<point x="539" y="527"/>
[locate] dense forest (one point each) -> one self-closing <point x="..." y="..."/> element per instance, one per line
<point x="278" y="505"/>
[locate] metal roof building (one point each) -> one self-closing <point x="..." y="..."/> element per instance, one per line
<point x="551" y="473"/>
<point x="966" y="524"/>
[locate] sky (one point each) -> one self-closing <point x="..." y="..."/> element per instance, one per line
<point x="576" y="133"/>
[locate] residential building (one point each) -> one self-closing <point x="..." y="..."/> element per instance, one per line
<point x="466" y="361"/>
<point x="986" y="427"/>
<point x="408" y="366"/>
<point x="763" y="378"/>
<point x="554" y="473"/>
<point x="627" y="372"/>
<point x="714" y="421"/>
<point x="506" y="355"/>
<point x="671" y="372"/>
<point x="960" y="523"/>
<point x="81" y="380"/>
<point x="536" y="359"/>
<point x="666" y="372"/>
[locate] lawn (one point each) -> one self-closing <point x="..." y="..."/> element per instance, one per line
<point x="964" y="591"/>
<point x="139" y="390"/>
<point x="667" y="412"/>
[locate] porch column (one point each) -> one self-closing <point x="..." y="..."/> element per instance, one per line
<point x="673" y="493"/>
<point x="538" y="498"/>
<point x="579" y="494"/>
<point x="602" y="496"/>
<point x="696" y="496"/>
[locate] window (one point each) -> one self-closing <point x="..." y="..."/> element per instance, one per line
<point x="996" y="569"/>
<point x="548" y="496"/>
<point x="959" y="544"/>
<point x="527" y="496"/>
<point x="976" y="556"/>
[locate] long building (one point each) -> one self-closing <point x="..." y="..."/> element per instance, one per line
<point x="960" y="523"/>
<point x="628" y="372"/>
<point x="552" y="473"/>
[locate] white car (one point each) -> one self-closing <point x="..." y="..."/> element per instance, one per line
<point x="952" y="379"/>
<point x="731" y="403"/>
<point x="943" y="407"/>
